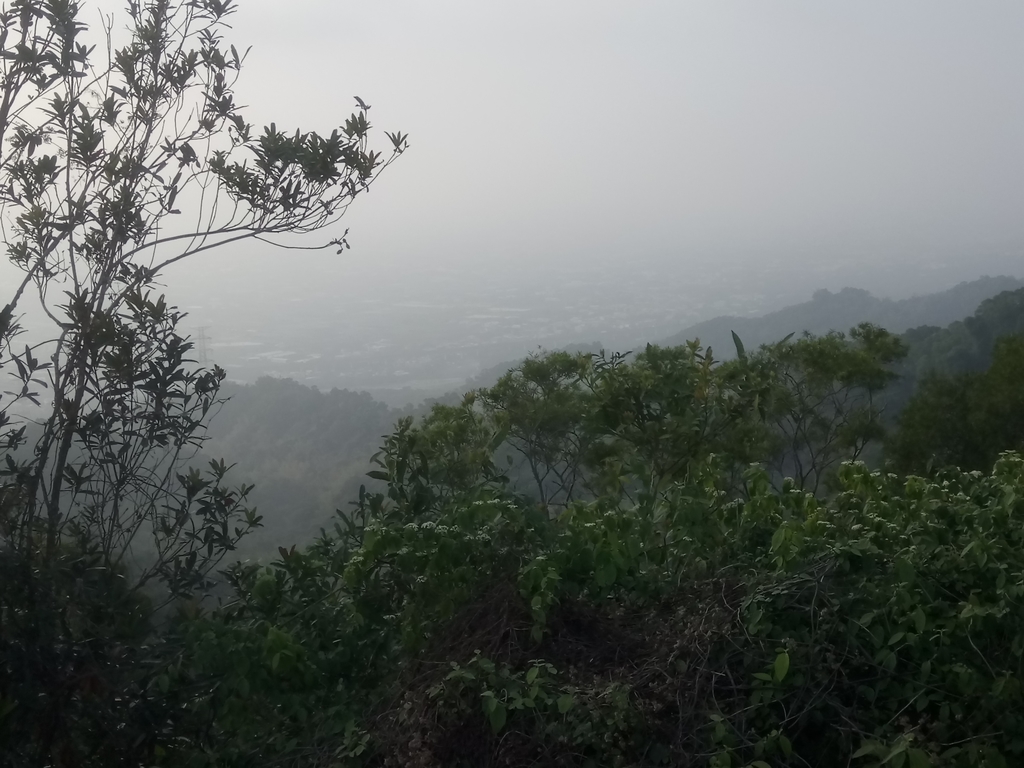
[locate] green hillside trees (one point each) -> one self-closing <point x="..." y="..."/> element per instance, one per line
<point x="965" y="420"/>
<point x="465" y="626"/>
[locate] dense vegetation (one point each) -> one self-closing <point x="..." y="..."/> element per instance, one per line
<point x="691" y="628"/>
<point x="598" y="559"/>
<point x="122" y="153"/>
<point x="965" y="419"/>
<point x="965" y="346"/>
<point x="580" y="566"/>
<point x="307" y="452"/>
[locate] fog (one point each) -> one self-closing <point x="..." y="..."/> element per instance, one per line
<point x="598" y="171"/>
<point x="596" y="130"/>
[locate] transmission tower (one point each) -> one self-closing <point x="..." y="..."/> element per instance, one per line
<point x="202" y="346"/>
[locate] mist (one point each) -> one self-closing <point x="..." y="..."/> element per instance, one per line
<point x="604" y="172"/>
<point x="613" y="173"/>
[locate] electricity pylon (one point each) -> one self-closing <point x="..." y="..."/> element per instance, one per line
<point x="202" y="346"/>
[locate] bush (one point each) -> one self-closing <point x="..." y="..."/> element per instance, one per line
<point x="882" y="626"/>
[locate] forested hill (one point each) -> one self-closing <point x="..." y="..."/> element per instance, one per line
<point x="965" y="346"/>
<point x="840" y="311"/>
<point x="307" y="451"/>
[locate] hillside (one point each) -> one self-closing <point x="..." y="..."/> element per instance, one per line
<point x="962" y="347"/>
<point x="828" y="311"/>
<point x="966" y="344"/>
<point x="307" y="451"/>
<point x="666" y="605"/>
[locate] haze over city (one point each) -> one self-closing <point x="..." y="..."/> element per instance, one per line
<point x="675" y="160"/>
<point x="614" y="172"/>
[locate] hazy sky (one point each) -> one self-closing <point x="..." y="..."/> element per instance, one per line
<point x="572" y="128"/>
<point x="791" y="133"/>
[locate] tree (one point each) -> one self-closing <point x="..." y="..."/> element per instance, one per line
<point x="663" y="414"/>
<point x="560" y="428"/>
<point x="822" y="405"/>
<point x="965" y="420"/>
<point x="115" y="162"/>
<point x="541" y="406"/>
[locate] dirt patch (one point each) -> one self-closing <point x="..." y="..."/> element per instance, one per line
<point x="672" y="660"/>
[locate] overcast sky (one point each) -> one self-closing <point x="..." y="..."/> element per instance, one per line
<point x="570" y="128"/>
<point x="883" y="133"/>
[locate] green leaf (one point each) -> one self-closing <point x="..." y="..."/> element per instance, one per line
<point x="565" y="702"/>
<point x="919" y="759"/>
<point x="497" y="716"/>
<point x="869" y="748"/>
<point x="488" y="701"/>
<point x="781" y="666"/>
<point x="896" y="754"/>
<point x="741" y="353"/>
<point x="920" y="620"/>
<point x="606" y="574"/>
<point x="787" y="746"/>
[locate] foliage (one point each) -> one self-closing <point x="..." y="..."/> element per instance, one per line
<point x="309" y="449"/>
<point x="903" y="598"/>
<point x="561" y="427"/>
<point x="701" y="631"/>
<point x="599" y="560"/>
<point x="451" y="620"/>
<point x="964" y="420"/>
<point x="541" y="406"/>
<point x="102" y="148"/>
<point x="587" y="425"/>
<point x="666" y="413"/>
<point x="670" y="604"/>
<point x="823" y="403"/>
<point x="965" y="346"/>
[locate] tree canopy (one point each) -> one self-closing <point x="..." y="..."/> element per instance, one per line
<point x="664" y="615"/>
<point x="120" y="155"/>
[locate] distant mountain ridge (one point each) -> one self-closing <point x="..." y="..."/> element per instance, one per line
<point x="827" y="311"/>
<point x="308" y="451"/>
